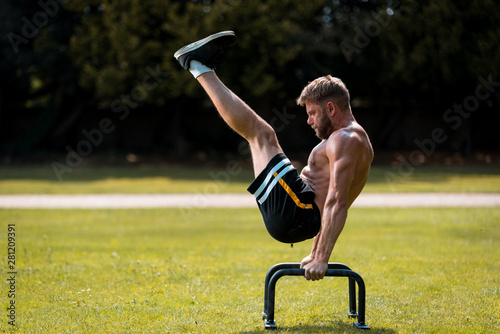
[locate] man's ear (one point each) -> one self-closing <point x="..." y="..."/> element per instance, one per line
<point x="331" y="108"/>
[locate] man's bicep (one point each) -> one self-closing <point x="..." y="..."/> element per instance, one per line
<point x="342" y="167"/>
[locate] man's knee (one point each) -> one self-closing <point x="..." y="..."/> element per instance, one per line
<point x="266" y="137"/>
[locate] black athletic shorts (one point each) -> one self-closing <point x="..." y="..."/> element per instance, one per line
<point x="286" y="202"/>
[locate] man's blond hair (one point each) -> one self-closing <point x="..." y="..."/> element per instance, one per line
<point x="325" y="88"/>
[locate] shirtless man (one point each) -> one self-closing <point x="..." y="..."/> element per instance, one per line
<point x="294" y="207"/>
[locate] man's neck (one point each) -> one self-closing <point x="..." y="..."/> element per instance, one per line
<point x="343" y="121"/>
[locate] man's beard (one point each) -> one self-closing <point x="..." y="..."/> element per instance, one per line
<point x="324" y="128"/>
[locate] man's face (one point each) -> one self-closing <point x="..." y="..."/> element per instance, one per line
<point x="318" y="120"/>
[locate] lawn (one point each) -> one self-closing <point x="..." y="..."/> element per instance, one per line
<point x="231" y="178"/>
<point x="202" y="271"/>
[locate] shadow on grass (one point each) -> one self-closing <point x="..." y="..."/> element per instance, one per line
<point x="330" y="327"/>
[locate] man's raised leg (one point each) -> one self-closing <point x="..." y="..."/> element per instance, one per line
<point x="242" y="119"/>
<point x="199" y="58"/>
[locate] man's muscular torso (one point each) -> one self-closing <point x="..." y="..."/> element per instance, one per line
<point x="317" y="172"/>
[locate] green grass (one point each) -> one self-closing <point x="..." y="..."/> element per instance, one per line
<point x="93" y="180"/>
<point x="479" y="178"/>
<point x="231" y="179"/>
<point x="202" y="271"/>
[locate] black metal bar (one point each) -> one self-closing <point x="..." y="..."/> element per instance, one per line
<point x="361" y="294"/>
<point x="270" y="273"/>
<point x="296" y="265"/>
<point x="352" y="298"/>
<point x="335" y="269"/>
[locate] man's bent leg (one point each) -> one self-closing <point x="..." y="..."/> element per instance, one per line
<point x="242" y="119"/>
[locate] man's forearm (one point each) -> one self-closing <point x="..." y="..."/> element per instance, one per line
<point x="333" y="224"/>
<point x="315" y="244"/>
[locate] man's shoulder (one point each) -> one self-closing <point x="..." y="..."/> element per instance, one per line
<point x="344" y="136"/>
<point x="347" y="141"/>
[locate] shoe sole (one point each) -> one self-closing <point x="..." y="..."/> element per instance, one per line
<point x="201" y="42"/>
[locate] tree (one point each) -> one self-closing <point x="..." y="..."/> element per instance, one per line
<point x="118" y="43"/>
<point x="438" y="51"/>
<point x="37" y="76"/>
<point x="68" y="65"/>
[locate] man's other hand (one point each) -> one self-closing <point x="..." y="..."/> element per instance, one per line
<point x="315" y="269"/>
<point x="306" y="260"/>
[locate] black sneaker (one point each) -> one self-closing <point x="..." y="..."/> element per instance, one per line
<point x="206" y="50"/>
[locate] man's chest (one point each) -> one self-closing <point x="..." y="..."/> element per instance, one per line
<point x="318" y="159"/>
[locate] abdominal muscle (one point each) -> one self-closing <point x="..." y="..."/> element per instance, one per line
<point x="318" y="185"/>
<point x="317" y="174"/>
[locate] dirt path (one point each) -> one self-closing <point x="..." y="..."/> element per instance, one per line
<point x="234" y="200"/>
